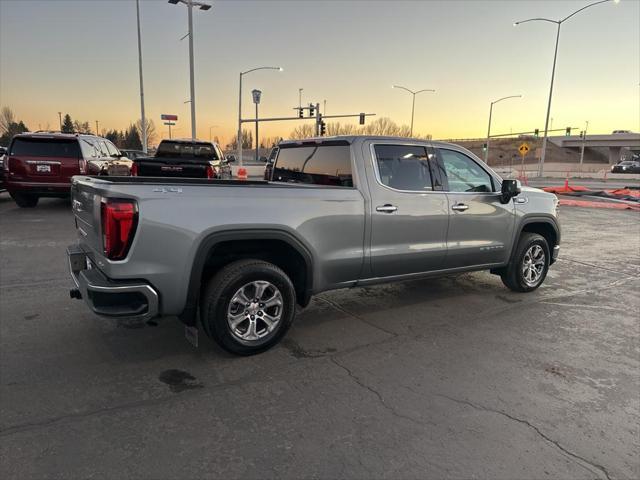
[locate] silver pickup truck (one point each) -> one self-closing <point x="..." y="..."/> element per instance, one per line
<point x="338" y="212"/>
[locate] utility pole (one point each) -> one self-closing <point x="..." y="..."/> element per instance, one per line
<point x="97" y="131"/>
<point x="300" y="97"/>
<point x="143" y="120"/>
<point x="60" y="117"/>
<point x="584" y="139"/>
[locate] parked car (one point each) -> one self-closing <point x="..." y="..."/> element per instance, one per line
<point x="184" y="158"/>
<point x="340" y="212"/>
<point x="133" y="154"/>
<point x="42" y="164"/>
<point x="626" y="166"/>
<point x="268" y="168"/>
<point x="3" y="166"/>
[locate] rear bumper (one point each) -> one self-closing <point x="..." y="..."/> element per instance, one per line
<point x="39" y="188"/>
<point x="107" y="297"/>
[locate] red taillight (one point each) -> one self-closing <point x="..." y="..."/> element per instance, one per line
<point x="211" y="173"/>
<point x="134" y="169"/>
<point x="119" y="221"/>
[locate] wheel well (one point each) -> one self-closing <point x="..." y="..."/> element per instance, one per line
<point x="274" y="251"/>
<point x="545" y="229"/>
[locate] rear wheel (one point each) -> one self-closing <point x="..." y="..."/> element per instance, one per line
<point x="248" y="306"/>
<point x="529" y="265"/>
<point x="25" y="200"/>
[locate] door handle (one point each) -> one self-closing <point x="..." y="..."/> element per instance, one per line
<point x="386" y="208"/>
<point x="460" y="207"/>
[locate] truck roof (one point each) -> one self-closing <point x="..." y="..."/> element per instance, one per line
<point x="352" y="138"/>
<point x="186" y="140"/>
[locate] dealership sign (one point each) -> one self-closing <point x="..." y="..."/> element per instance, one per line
<point x="166" y="116"/>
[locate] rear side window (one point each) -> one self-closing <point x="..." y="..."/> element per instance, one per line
<point x="187" y="150"/>
<point x="317" y="165"/>
<point x="404" y="167"/>
<point x="45" y="147"/>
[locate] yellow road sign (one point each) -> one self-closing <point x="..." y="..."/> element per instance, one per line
<point x="523" y="149"/>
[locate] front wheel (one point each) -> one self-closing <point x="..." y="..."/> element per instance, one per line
<point x="530" y="263"/>
<point x="248" y="306"/>
<point x="25" y="200"/>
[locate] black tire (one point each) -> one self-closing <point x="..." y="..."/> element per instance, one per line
<point x="217" y="297"/>
<point x="513" y="276"/>
<point x="25" y="200"/>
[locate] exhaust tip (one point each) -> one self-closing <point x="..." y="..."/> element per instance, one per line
<point x="75" y="293"/>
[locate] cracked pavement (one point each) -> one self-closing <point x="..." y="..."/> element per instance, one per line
<point x="445" y="378"/>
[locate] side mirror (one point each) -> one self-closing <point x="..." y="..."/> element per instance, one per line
<point x="231" y="158"/>
<point x="510" y="189"/>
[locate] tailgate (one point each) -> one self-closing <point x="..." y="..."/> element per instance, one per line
<point x="166" y="167"/>
<point x="85" y="203"/>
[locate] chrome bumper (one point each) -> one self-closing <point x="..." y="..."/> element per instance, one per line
<point x="110" y="298"/>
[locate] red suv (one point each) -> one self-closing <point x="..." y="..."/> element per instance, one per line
<point x="42" y="164"/>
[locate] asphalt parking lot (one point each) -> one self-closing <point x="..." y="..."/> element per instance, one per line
<point x="449" y="378"/>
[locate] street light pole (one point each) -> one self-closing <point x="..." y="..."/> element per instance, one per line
<point x="239" y="136"/>
<point x="203" y="6"/>
<point x="486" y="152"/>
<point x="300" y="97"/>
<point x="413" y="102"/>
<point x="191" y="79"/>
<point x="143" y="121"/>
<point x="553" y="71"/>
<point x="60" y="117"/>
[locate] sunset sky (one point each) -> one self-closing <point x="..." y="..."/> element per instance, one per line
<point x="81" y="57"/>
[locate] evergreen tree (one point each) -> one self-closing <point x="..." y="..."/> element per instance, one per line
<point x="132" y="138"/>
<point x="12" y="129"/>
<point x="67" y="124"/>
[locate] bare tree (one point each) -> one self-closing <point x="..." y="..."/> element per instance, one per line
<point x="150" y="127"/>
<point x="7" y="117"/>
<point x="303" y="131"/>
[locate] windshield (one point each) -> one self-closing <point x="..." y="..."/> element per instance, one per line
<point x="45" y="147"/>
<point x="204" y="151"/>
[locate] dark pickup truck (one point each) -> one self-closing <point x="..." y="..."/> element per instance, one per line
<point x="184" y="158"/>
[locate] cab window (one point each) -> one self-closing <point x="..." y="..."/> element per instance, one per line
<point x="463" y="174"/>
<point x="404" y="167"/>
<point x="314" y="164"/>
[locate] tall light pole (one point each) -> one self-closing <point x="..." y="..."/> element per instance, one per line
<point x="239" y="137"/>
<point x="300" y="97"/>
<point x="553" y="70"/>
<point x="60" y="117"/>
<point x="143" y="120"/>
<point x="256" y="99"/>
<point x="97" y="131"/>
<point x="203" y="6"/>
<point x="413" y="102"/>
<point x="486" y="152"/>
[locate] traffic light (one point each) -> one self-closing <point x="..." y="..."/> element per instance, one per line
<point x="300" y="113"/>
<point x="567" y="132"/>
<point x="362" y="119"/>
<point x="312" y="110"/>
<point x="536" y="132"/>
<point x="323" y="129"/>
